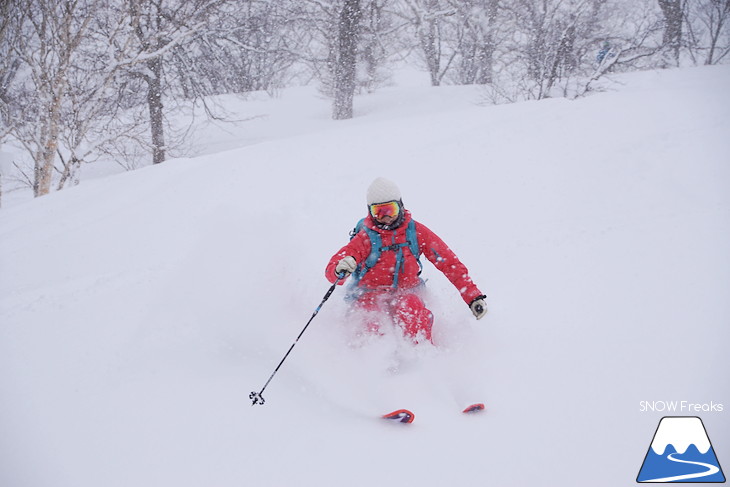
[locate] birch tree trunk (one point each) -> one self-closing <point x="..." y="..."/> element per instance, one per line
<point x="49" y="47"/>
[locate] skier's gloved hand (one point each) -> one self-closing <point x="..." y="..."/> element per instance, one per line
<point x="345" y="266"/>
<point x="479" y="307"/>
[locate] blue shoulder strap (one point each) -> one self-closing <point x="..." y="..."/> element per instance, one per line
<point x="376" y="244"/>
<point x="412" y="237"/>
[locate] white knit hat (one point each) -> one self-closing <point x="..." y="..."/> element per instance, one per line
<point x="382" y="190"/>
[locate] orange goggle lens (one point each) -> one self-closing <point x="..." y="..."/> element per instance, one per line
<point x="380" y="210"/>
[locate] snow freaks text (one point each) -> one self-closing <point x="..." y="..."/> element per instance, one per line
<point x="680" y="407"/>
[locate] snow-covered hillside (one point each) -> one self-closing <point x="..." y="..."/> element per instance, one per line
<point x="137" y="311"/>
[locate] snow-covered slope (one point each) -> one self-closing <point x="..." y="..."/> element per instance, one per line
<point x="138" y="311"/>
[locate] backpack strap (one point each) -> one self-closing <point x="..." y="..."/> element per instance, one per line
<point x="376" y="243"/>
<point x="412" y="243"/>
<point x="377" y="248"/>
<point x="412" y="238"/>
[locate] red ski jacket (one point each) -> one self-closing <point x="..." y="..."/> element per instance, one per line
<point x="382" y="274"/>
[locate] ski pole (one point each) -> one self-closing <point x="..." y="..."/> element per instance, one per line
<point x="256" y="397"/>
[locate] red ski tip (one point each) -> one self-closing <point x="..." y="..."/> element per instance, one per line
<point x="401" y="416"/>
<point x="474" y="408"/>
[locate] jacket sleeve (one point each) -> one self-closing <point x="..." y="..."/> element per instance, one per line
<point x="445" y="260"/>
<point x="358" y="247"/>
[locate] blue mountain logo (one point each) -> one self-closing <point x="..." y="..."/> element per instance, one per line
<point x="681" y="452"/>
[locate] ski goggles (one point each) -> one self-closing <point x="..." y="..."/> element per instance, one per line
<point x="381" y="210"/>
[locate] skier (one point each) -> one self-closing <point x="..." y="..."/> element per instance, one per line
<point x="604" y="52"/>
<point x="382" y="259"/>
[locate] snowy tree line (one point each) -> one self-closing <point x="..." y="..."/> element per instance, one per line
<point x="86" y="79"/>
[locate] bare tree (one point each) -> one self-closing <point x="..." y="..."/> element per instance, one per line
<point x="673" y="13"/>
<point x="160" y="28"/>
<point x="10" y="27"/>
<point x="430" y="23"/>
<point x="345" y="68"/>
<point x="708" y="29"/>
<point x="154" y="37"/>
<point x="377" y="40"/>
<point x="346" y="45"/>
<point x="552" y="44"/>
<point x="475" y="27"/>
<point x="49" y="34"/>
<point x="97" y="113"/>
<point x="249" y="45"/>
<point x="83" y="68"/>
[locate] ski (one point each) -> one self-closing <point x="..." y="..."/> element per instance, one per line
<point x="400" y="416"/>
<point x="474" y="408"/>
<point x="407" y="416"/>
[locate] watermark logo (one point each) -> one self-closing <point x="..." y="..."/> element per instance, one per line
<point x="681" y="452"/>
<point x="682" y="407"/>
